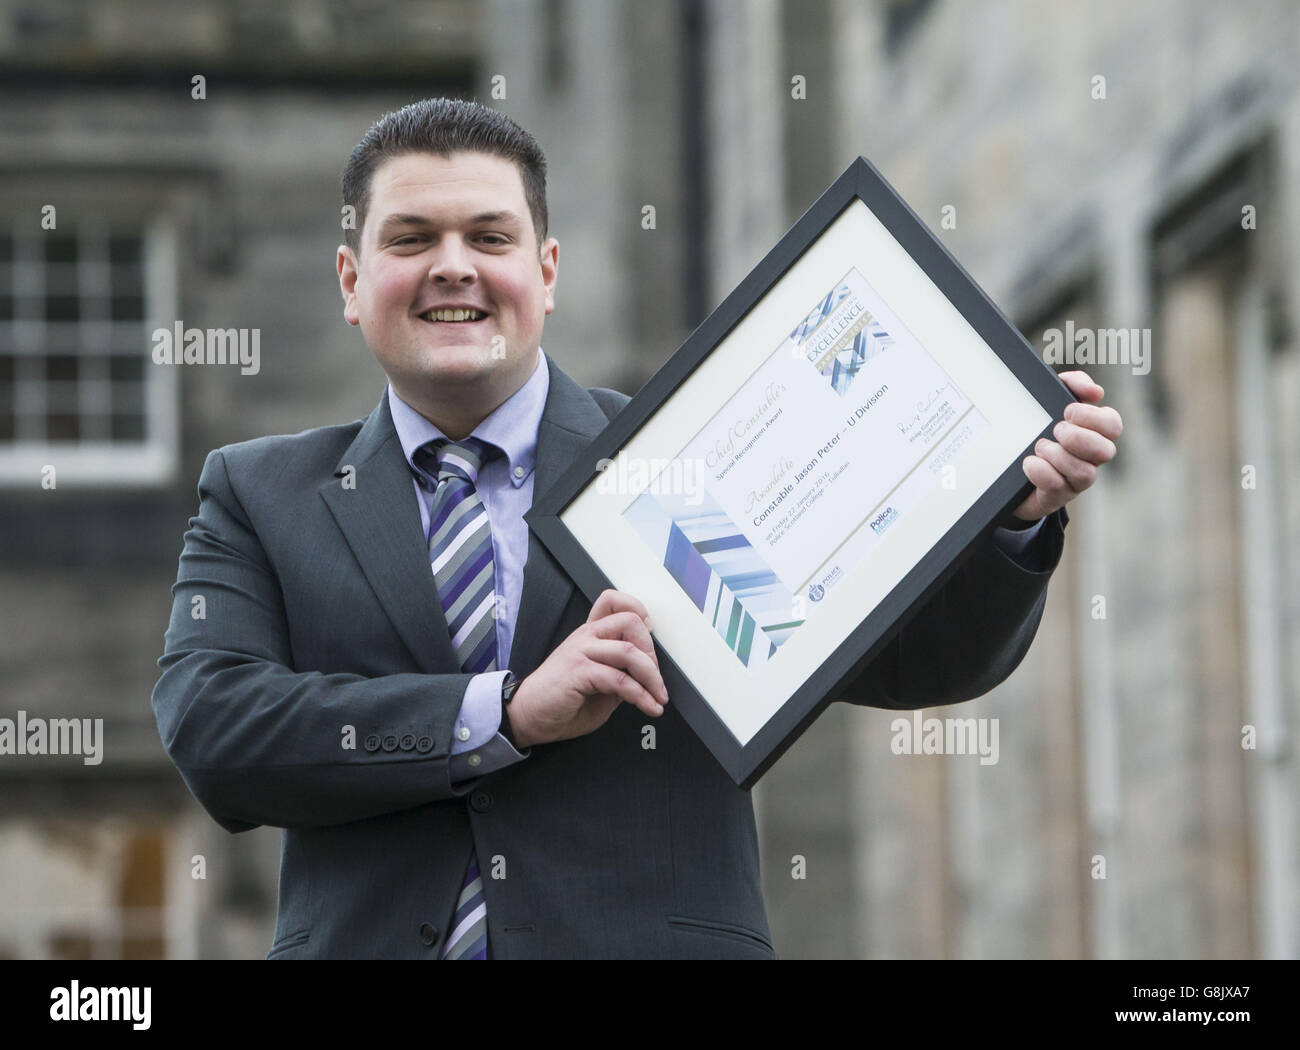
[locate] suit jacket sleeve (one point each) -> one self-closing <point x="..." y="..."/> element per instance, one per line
<point x="259" y="743"/>
<point x="969" y="636"/>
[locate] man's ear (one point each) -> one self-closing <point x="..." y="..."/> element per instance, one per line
<point x="550" y="261"/>
<point x="347" y="267"/>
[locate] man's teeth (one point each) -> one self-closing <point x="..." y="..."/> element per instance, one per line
<point x="453" y="315"/>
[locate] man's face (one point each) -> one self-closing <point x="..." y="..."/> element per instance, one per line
<point x="450" y="233"/>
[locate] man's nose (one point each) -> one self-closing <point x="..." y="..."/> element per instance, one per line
<point x="452" y="261"/>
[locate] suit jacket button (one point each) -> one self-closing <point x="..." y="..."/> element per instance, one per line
<point x="424" y="745"/>
<point x="428" y="934"/>
<point x="372" y="742"/>
<point x="390" y="742"/>
<point x="480" y="801"/>
<point x="407" y="743"/>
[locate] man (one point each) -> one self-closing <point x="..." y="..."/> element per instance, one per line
<point x="391" y="668"/>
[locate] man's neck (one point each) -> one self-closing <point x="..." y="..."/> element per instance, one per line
<point x="457" y="417"/>
<point x="453" y="420"/>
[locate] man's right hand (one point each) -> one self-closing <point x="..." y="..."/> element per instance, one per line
<point x="608" y="660"/>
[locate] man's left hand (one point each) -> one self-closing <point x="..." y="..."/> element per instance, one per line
<point x="1085" y="439"/>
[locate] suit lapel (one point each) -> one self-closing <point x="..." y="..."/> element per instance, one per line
<point x="380" y="520"/>
<point x="569" y="423"/>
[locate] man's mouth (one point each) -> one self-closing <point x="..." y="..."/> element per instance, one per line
<point x="453" y="315"/>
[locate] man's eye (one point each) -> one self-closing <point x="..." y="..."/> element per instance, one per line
<point x="493" y="238"/>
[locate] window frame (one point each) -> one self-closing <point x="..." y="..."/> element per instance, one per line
<point x="153" y="462"/>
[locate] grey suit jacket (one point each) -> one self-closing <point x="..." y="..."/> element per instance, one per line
<point x="320" y="627"/>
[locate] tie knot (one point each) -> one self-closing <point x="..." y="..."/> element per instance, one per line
<point x="445" y="459"/>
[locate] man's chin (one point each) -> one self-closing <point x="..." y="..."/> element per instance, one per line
<point x="456" y="364"/>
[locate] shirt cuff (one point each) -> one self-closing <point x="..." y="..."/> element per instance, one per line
<point x="1017" y="544"/>
<point x="480" y="712"/>
<point x="495" y="754"/>
<point x="477" y="747"/>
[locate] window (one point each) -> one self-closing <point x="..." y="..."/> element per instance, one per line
<point x="78" y="389"/>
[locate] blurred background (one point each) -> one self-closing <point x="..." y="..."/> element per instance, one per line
<point x="1111" y="164"/>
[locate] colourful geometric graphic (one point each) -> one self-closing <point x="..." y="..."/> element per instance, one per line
<point x="819" y="313"/>
<point x="844" y="366"/>
<point x="864" y="336"/>
<point x="719" y="570"/>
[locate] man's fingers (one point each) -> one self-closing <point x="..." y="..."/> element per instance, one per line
<point x="1084" y="443"/>
<point x="624" y="671"/>
<point x="1082" y="385"/>
<point x="612" y="601"/>
<point x="1078" y="473"/>
<point x="627" y="625"/>
<point x="1053" y="491"/>
<point x="623" y="656"/>
<point x="1102" y="419"/>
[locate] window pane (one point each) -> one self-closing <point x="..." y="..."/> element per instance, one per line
<point x="60" y="248"/>
<point x="128" y="308"/>
<point x="62" y="426"/>
<point x="62" y="308"/>
<point x="125" y="369"/>
<point x="60" y="367"/>
<point x="124" y="250"/>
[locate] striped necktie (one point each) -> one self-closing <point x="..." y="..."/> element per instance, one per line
<point x="460" y="553"/>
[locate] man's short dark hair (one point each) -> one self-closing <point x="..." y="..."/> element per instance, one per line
<point x="444" y="126"/>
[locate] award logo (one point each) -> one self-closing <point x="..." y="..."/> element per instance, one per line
<point x="883" y="520"/>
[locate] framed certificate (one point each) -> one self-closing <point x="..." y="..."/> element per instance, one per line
<point x="807" y="469"/>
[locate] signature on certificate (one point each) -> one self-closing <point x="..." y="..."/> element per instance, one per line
<point x="922" y="407"/>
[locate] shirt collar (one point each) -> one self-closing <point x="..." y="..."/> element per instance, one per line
<point x="512" y="425"/>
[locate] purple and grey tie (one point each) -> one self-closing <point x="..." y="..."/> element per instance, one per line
<point x="460" y="553"/>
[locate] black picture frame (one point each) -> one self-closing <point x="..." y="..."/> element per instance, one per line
<point x="747" y="762"/>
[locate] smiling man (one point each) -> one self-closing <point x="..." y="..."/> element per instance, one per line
<point x="391" y="669"/>
<point x="456" y="283"/>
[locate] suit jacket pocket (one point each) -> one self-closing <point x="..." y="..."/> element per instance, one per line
<point x="740" y="936"/>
